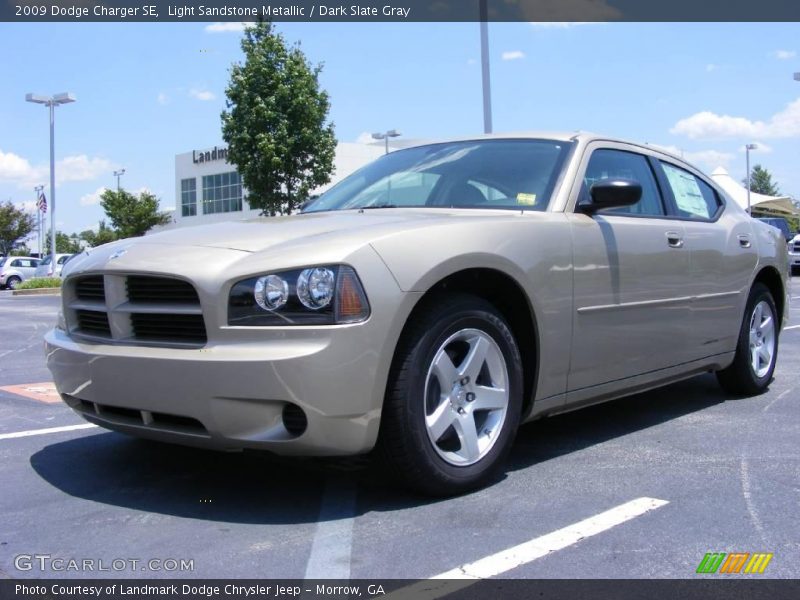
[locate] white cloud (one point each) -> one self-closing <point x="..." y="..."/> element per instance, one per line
<point x="162" y="98"/>
<point x="784" y="54"/>
<point x="546" y="13"/>
<point x="14" y="168"/>
<point x="472" y="61"/>
<point x="706" y="124"/>
<point x="92" y="198"/>
<point x="708" y="159"/>
<point x="513" y="55"/>
<point x="82" y="168"/>
<point x="203" y="95"/>
<point x="711" y="67"/>
<point x="226" y="27"/>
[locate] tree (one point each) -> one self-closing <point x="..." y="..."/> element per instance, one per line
<point x="65" y="244"/>
<point x="761" y="182"/>
<point x="132" y="215"/>
<point x="103" y="235"/>
<point x="15" y="225"/>
<point x="275" y="123"/>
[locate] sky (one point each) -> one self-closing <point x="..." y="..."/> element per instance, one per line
<point x="146" y="92"/>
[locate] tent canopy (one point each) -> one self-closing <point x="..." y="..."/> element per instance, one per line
<point x="777" y="205"/>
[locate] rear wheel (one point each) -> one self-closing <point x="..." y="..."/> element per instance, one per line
<point x="757" y="348"/>
<point x="454" y="401"/>
<point x="13" y="282"/>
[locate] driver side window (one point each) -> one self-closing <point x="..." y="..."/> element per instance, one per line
<point x="618" y="164"/>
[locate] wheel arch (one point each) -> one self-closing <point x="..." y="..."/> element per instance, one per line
<point x="506" y="294"/>
<point x="771" y="278"/>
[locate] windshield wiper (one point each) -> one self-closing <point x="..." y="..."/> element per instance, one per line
<point x="376" y="206"/>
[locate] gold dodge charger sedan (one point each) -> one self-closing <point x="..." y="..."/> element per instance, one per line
<point x="427" y="305"/>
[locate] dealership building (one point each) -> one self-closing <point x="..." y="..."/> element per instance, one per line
<point x="208" y="189"/>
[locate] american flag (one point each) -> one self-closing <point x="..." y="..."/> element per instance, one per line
<point x="41" y="203"/>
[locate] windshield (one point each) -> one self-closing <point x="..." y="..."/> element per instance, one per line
<point x="46" y="261"/>
<point x="3" y="261"/>
<point x="505" y="174"/>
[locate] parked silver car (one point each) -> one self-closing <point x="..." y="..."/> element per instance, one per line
<point x="45" y="270"/>
<point x="427" y="305"/>
<point x="16" y="269"/>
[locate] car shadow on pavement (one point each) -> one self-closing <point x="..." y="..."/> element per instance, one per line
<point x="259" y="488"/>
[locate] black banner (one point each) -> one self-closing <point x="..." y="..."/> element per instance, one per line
<point x="400" y="10"/>
<point x="702" y="588"/>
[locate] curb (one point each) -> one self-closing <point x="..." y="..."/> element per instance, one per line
<point x="38" y="292"/>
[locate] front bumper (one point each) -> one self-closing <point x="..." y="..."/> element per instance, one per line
<point x="228" y="397"/>
<point x="232" y="392"/>
<point x="794" y="259"/>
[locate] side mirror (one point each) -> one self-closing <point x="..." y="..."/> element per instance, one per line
<point x="612" y="193"/>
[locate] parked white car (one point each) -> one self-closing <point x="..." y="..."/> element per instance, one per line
<point x="16" y="269"/>
<point x="794" y="253"/>
<point x="44" y="269"/>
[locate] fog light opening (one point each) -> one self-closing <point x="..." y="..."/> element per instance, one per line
<point x="294" y="420"/>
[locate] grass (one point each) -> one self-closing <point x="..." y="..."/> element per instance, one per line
<point x="40" y="282"/>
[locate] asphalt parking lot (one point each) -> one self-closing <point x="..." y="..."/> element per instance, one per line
<point x="725" y="473"/>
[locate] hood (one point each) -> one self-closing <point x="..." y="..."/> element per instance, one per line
<point x="258" y="235"/>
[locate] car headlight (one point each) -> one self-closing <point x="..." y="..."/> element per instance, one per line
<point x="323" y="295"/>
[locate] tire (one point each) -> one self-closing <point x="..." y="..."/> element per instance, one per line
<point x="13" y="282"/>
<point x="454" y="397"/>
<point x="757" y="348"/>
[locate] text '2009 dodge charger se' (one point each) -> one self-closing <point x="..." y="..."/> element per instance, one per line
<point x="427" y="304"/>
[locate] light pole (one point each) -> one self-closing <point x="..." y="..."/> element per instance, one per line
<point x="51" y="102"/>
<point x="38" y="189"/>
<point x="119" y="174"/>
<point x="747" y="149"/>
<point x="797" y="76"/>
<point x="392" y="133"/>
<point x="487" y="82"/>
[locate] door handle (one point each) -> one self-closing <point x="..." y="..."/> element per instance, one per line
<point x="674" y="239"/>
<point x="744" y="241"/>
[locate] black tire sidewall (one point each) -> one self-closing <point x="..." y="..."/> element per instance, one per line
<point x="759" y="294"/>
<point x="470" y="314"/>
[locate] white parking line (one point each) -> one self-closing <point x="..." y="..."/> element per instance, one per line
<point x="20" y="434"/>
<point x="527" y="552"/>
<point x="333" y="541"/>
<point x="792" y="327"/>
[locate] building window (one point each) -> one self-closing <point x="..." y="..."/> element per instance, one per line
<point x="222" y="193"/>
<point x="189" y="197"/>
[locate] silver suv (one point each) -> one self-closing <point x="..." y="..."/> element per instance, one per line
<point x="16" y="269"/>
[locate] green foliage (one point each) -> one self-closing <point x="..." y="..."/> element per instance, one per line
<point x="275" y="123"/>
<point x="103" y="235"/>
<point x="761" y="182"/>
<point x="15" y="225"/>
<point x="65" y="244"/>
<point x="40" y="282"/>
<point x="132" y="215"/>
<point x="21" y="251"/>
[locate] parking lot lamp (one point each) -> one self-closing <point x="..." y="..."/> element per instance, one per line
<point x="119" y="174"/>
<point x="51" y="102"/>
<point x="392" y="133"/>
<point x="747" y="149"/>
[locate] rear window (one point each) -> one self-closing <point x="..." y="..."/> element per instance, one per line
<point x="694" y="198"/>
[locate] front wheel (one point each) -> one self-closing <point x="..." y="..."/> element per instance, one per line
<point x="757" y="348"/>
<point x="454" y="400"/>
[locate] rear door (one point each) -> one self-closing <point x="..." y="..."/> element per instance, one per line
<point x="722" y="258"/>
<point x="632" y="305"/>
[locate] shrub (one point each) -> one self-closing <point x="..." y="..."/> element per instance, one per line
<point x="40" y="282"/>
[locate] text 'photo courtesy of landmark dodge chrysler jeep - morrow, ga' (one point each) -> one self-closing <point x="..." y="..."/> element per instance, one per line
<point x="427" y="305"/>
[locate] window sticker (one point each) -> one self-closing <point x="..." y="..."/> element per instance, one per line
<point x="687" y="192"/>
<point x="527" y="199"/>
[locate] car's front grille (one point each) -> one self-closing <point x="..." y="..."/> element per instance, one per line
<point x="797" y="246"/>
<point x="90" y="288"/>
<point x="93" y="322"/>
<point x="136" y="309"/>
<point x="160" y="290"/>
<point x="165" y="328"/>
